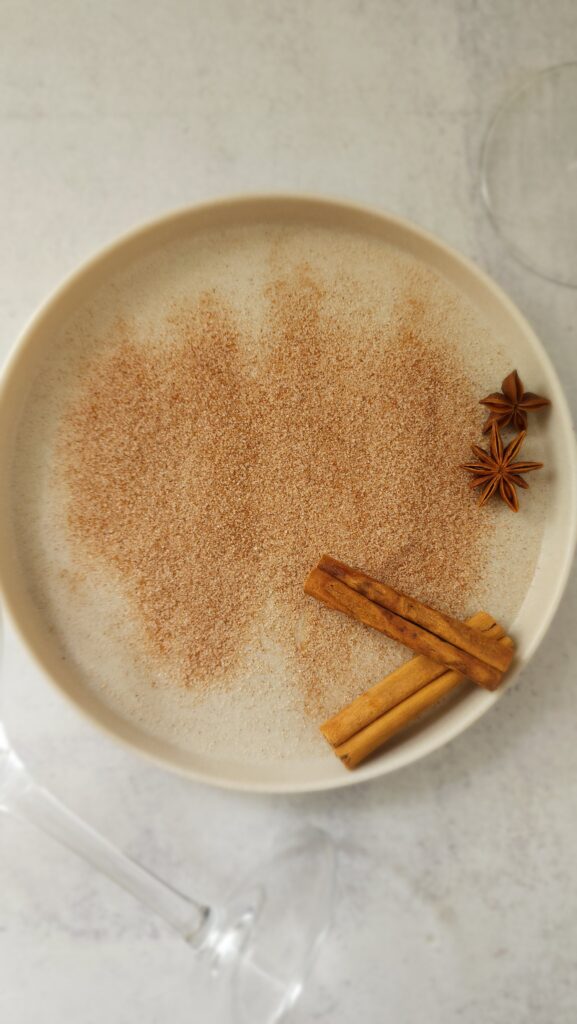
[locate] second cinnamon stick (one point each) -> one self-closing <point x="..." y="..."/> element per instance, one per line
<point x="362" y="744"/>
<point x="394" y="688"/>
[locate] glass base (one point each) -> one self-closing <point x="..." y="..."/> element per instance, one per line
<point x="529" y="173"/>
<point x="264" y="942"/>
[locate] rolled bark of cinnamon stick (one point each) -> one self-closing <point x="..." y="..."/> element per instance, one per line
<point x="424" y="630"/>
<point x="436" y="622"/>
<point x="362" y="744"/>
<point x="390" y="691"/>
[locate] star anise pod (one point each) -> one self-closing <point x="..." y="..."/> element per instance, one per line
<point x="496" y="471"/>
<point x="511" y="404"/>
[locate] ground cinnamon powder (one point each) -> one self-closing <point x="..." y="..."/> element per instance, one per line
<point x="209" y="466"/>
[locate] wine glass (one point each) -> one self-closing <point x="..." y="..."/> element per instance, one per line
<point x="260" y="942"/>
<point x="529" y="173"/>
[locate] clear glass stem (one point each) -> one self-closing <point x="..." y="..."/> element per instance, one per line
<point x="20" y="795"/>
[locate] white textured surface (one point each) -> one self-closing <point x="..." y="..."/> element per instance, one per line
<point x="113" y="113"/>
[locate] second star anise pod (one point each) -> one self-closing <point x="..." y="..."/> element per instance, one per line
<point x="511" y="404"/>
<point x="496" y="472"/>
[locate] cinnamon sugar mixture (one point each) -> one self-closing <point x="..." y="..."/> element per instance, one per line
<point x="211" y="483"/>
<point x="206" y="457"/>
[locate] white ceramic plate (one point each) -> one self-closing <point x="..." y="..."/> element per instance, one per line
<point x="559" y="538"/>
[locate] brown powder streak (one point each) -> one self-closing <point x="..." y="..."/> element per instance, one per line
<point x="210" y="468"/>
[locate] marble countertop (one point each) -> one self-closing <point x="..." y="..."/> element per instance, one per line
<point x="111" y="114"/>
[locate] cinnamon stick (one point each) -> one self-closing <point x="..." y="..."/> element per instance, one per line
<point x="390" y="691"/>
<point x="365" y="742"/>
<point x="423" y="629"/>
<point x="443" y="626"/>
